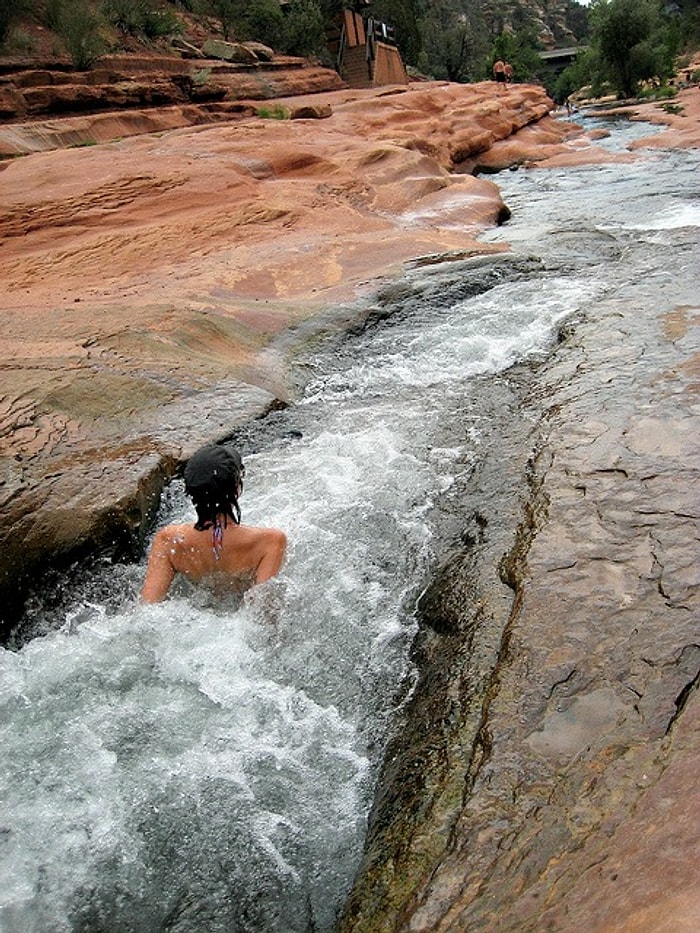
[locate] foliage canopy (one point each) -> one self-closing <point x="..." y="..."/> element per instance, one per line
<point x="631" y="42"/>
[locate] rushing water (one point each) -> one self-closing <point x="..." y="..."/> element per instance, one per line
<point x="195" y="767"/>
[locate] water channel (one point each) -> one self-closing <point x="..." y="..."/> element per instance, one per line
<point x="195" y="766"/>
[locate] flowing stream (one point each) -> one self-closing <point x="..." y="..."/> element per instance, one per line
<point x="195" y="766"/>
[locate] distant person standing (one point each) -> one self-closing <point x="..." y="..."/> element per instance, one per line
<point x="508" y="69"/>
<point x="499" y="72"/>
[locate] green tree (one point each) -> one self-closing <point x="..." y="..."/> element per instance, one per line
<point x="262" y="20"/>
<point x="246" y="20"/>
<point x="225" y="11"/>
<point x="585" y="71"/>
<point x="576" y="18"/>
<point x="149" y="18"/>
<point x="79" y="24"/>
<point x="632" y="39"/>
<point x="455" y="42"/>
<point x="330" y="8"/>
<point x="403" y="15"/>
<point x="690" y="13"/>
<point x="303" y="32"/>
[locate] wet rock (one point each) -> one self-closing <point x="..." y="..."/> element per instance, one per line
<point x="543" y="773"/>
<point x="75" y="481"/>
<point x="154" y="291"/>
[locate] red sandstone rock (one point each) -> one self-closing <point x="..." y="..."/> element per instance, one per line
<point x="178" y="255"/>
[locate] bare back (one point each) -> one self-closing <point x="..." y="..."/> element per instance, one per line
<point x="245" y="554"/>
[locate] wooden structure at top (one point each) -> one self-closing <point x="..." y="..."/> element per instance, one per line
<point x="366" y="53"/>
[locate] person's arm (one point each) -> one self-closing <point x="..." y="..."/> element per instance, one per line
<point x="160" y="571"/>
<point x="275" y="548"/>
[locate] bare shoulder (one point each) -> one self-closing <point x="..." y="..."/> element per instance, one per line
<point x="275" y="535"/>
<point x="170" y="535"/>
<point x="255" y="531"/>
<point x="267" y="537"/>
<point x="269" y="545"/>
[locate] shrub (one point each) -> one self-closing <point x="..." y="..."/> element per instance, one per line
<point x="20" y="43"/>
<point x="52" y="14"/>
<point x="666" y="92"/>
<point x="126" y="15"/>
<point x="302" y="30"/>
<point x="201" y="76"/>
<point x="633" y="41"/>
<point x="277" y="112"/>
<point x="225" y="12"/>
<point x="142" y="18"/>
<point x="78" y="25"/>
<point x="161" y="23"/>
<point x="10" y="11"/>
<point x="257" y="19"/>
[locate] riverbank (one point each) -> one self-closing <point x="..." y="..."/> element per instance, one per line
<point x="555" y="785"/>
<point x="153" y="285"/>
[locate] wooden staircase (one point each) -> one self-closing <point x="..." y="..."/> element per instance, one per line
<point x="366" y="56"/>
<point x="355" y="69"/>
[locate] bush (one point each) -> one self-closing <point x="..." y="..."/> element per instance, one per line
<point x="225" y="12"/>
<point x="141" y="18"/>
<point x="158" y="23"/>
<point x="633" y="42"/>
<point x="276" y="112"/>
<point x="10" y="11"/>
<point x="52" y="14"/>
<point x="581" y="72"/>
<point x="665" y="92"/>
<point x="20" y="43"/>
<point x="521" y="50"/>
<point x="78" y="25"/>
<point x="261" y="20"/>
<point x="302" y="31"/>
<point x="126" y="15"/>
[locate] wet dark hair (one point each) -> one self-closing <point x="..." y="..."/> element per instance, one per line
<point x="214" y="480"/>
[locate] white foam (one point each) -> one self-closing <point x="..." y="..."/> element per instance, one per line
<point x="672" y="218"/>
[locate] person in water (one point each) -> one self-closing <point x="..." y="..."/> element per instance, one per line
<point x="217" y="547"/>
